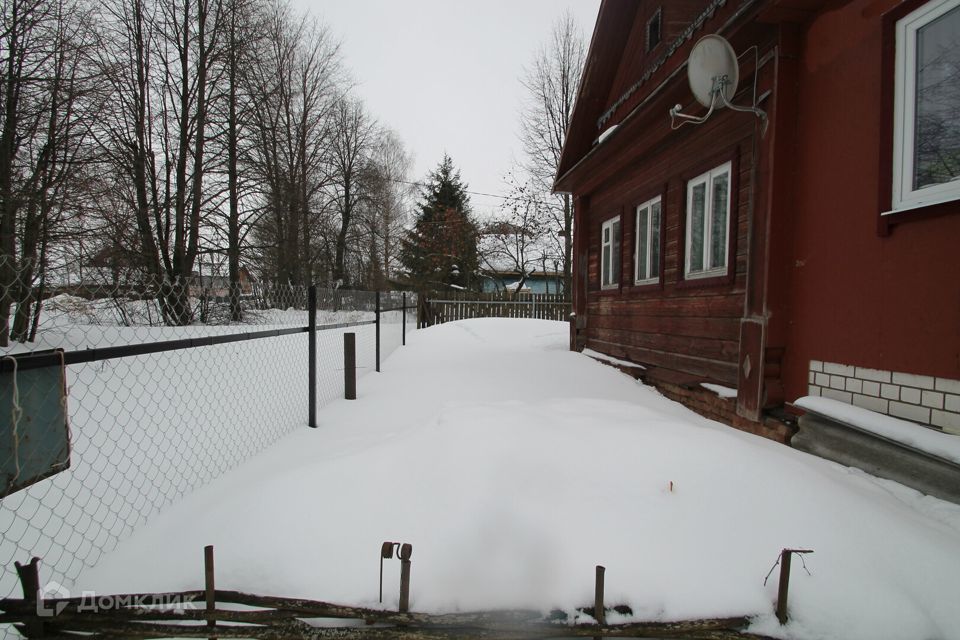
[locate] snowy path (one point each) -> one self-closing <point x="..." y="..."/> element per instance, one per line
<point x="514" y="466"/>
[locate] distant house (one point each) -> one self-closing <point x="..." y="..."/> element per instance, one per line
<point x="516" y="261"/>
<point x="218" y="285"/>
<point x="813" y="253"/>
<point x="550" y="282"/>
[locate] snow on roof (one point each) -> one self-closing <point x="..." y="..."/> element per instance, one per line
<point x="908" y="433"/>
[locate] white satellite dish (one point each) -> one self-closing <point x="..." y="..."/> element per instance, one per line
<point x="714" y="73"/>
<point x="712" y="66"/>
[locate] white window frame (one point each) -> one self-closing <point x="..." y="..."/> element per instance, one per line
<point x="904" y="196"/>
<point x="707" y="179"/>
<point x="647" y="258"/>
<point x="608" y="250"/>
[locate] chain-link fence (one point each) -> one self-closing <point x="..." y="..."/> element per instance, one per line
<point x="127" y="397"/>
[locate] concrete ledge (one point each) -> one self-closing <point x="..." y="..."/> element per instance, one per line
<point x="840" y="442"/>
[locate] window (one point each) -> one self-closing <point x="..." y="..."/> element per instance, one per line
<point x="646" y="256"/>
<point x="926" y="128"/>
<point x="708" y="223"/>
<point x="610" y="254"/>
<point x="653" y="29"/>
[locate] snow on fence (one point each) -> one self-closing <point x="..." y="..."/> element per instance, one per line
<point x="156" y="395"/>
<point x="448" y="306"/>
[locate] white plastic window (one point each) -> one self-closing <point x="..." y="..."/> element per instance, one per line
<point x="708" y="223"/>
<point x="926" y="128"/>
<point x="646" y="257"/>
<point x="610" y="254"/>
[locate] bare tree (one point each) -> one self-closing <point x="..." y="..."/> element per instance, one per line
<point x="351" y="142"/>
<point x="294" y="82"/>
<point x="392" y="196"/>
<point x="520" y="238"/>
<point x="45" y="81"/>
<point x="158" y="56"/>
<point x="552" y="82"/>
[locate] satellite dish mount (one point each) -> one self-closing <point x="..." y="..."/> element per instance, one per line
<point x="713" y="72"/>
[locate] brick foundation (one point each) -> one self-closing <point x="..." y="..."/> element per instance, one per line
<point x="710" y="405"/>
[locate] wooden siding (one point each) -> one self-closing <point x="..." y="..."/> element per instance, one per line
<point x="686" y="326"/>
<point x="676" y="16"/>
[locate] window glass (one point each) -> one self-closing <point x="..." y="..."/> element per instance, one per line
<point x="605" y="265"/>
<point x="643" y="242"/>
<point x="937" y="127"/>
<point x="615" y="254"/>
<point x="718" y="227"/>
<point x="697" y="219"/>
<point x="655" y="240"/>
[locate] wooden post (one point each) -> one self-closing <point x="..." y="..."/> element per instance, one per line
<point x="29" y="575"/>
<point x="598" y="611"/>
<point x="350" y="366"/>
<point x="784" y="586"/>
<point x="209" y="586"/>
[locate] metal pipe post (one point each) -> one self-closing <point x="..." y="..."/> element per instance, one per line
<point x="404" y="330"/>
<point x="350" y="366"/>
<point x="210" y="587"/>
<point x="378" y="332"/>
<point x="312" y="355"/>
<point x="404" y="586"/>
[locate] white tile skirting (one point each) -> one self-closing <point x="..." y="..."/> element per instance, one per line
<point x="925" y="399"/>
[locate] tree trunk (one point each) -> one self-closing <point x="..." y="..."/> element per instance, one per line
<point x="233" y="219"/>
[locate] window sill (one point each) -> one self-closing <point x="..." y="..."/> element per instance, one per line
<point x="646" y="286"/>
<point x="914" y="206"/>
<point x="711" y="280"/>
<point x="916" y="213"/>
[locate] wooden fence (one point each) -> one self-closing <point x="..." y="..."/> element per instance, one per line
<point x="447" y="306"/>
<point x="202" y="614"/>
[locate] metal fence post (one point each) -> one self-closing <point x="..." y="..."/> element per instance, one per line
<point x="350" y="366"/>
<point x="598" y="610"/>
<point x="406" y="550"/>
<point x="404" y="323"/>
<point x="312" y="355"/>
<point x="210" y="589"/>
<point x="378" y="332"/>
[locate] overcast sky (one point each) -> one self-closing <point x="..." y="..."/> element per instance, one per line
<point x="445" y="74"/>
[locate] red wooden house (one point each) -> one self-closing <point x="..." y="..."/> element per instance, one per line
<point x="814" y="253"/>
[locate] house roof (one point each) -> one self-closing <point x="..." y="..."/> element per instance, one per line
<point x="614" y="22"/>
<point x="597" y="111"/>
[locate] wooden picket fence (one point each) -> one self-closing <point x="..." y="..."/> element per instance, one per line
<point x="447" y="306"/>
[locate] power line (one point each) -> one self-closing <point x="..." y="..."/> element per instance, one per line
<point x="473" y="193"/>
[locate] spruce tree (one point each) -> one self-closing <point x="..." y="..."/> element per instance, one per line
<point x="440" y="252"/>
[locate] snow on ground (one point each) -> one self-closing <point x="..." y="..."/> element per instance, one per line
<point x="514" y="466"/>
